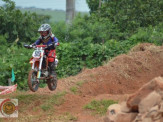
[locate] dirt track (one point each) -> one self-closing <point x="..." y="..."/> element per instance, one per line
<point x="114" y="80"/>
<point x="122" y="75"/>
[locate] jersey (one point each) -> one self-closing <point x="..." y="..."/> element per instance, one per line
<point x="49" y="41"/>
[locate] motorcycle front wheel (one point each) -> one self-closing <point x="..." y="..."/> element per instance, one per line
<point x="52" y="83"/>
<point x="32" y="81"/>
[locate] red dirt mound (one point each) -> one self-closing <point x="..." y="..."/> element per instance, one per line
<point x="124" y="74"/>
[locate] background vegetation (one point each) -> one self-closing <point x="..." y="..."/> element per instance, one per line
<point x="55" y="15"/>
<point x="109" y="30"/>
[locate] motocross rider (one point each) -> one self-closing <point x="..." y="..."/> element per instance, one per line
<point x="48" y="38"/>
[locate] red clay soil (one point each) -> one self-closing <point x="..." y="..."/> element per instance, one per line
<point x="122" y="75"/>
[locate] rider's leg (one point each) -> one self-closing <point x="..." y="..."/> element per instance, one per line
<point x="56" y="61"/>
<point x="51" y="60"/>
<point x="52" y="68"/>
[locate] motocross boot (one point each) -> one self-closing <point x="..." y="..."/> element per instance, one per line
<point x="52" y="69"/>
<point x="56" y="62"/>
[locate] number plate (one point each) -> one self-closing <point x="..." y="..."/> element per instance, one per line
<point x="37" y="53"/>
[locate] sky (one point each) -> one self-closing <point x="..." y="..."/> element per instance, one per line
<point x="80" y="5"/>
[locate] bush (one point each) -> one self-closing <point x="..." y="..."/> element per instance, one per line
<point x="14" y="24"/>
<point x="150" y="34"/>
<point x="15" y="58"/>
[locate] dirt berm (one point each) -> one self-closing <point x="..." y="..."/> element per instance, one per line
<point x="116" y="79"/>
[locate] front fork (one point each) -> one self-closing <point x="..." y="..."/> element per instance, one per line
<point x="40" y="66"/>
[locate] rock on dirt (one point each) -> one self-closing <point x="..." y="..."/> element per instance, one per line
<point x="145" y="105"/>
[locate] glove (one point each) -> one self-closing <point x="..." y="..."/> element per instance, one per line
<point x="30" y="46"/>
<point x="51" y="46"/>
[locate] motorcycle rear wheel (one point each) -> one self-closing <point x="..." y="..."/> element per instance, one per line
<point x="32" y="81"/>
<point x="52" y="83"/>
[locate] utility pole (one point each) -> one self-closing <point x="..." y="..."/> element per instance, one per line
<point x="99" y="4"/>
<point x="70" y="10"/>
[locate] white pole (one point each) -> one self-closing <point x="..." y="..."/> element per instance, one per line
<point x="70" y="10"/>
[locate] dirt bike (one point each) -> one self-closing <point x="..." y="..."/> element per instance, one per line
<point x="40" y="69"/>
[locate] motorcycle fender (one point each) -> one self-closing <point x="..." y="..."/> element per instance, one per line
<point x="33" y="60"/>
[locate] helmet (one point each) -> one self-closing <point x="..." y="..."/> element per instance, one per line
<point x="45" y="31"/>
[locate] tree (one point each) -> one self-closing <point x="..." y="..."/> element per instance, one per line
<point x="15" y="24"/>
<point x="128" y="15"/>
<point x="94" y="5"/>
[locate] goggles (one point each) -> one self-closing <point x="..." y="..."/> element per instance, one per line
<point x="43" y="33"/>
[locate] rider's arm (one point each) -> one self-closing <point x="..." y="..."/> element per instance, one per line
<point x="56" y="41"/>
<point x="38" y="42"/>
<point x="53" y="43"/>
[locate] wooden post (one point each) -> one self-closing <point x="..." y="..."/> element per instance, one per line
<point x="9" y="82"/>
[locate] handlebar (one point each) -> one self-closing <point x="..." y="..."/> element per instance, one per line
<point x="37" y="46"/>
<point x="41" y="45"/>
<point x="27" y="46"/>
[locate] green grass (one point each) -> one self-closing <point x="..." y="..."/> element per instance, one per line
<point x="45" y="102"/>
<point x="46" y="106"/>
<point x="67" y="117"/>
<point x="56" y="99"/>
<point x="74" y="89"/>
<point x="26" y="101"/>
<point x="80" y="83"/>
<point x="99" y="107"/>
<point x="29" y="98"/>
